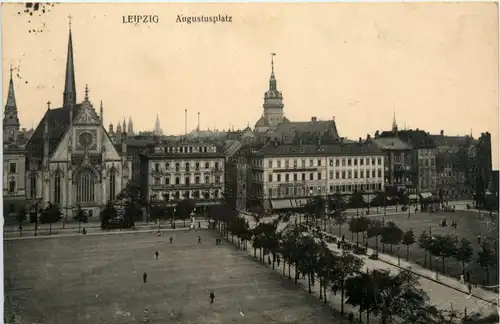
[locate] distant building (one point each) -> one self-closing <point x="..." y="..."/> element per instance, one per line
<point x="186" y="169"/>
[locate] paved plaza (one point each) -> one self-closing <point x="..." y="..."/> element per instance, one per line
<point x="98" y="279"/>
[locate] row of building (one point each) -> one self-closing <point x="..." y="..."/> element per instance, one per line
<point x="70" y="159"/>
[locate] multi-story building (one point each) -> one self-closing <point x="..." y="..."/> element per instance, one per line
<point x="176" y="170"/>
<point x="451" y="169"/>
<point x="283" y="176"/>
<point x="423" y="159"/>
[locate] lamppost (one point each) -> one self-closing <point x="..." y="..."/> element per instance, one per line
<point x="173" y="218"/>
<point x="437" y="268"/>
<point x="310" y="201"/>
<point x="399" y="255"/>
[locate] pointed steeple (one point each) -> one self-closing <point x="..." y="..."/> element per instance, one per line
<point x="394" y="124"/>
<point x="69" y="96"/>
<point x="11" y="118"/>
<point x="157" y="126"/>
<point x="130" y="126"/>
<point x="273" y="98"/>
<point x="272" y="78"/>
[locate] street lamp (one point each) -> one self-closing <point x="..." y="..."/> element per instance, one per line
<point x="399" y="255"/>
<point x="173" y="218"/>
<point x="437" y="268"/>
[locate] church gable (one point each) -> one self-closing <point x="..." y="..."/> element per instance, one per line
<point x="87" y="115"/>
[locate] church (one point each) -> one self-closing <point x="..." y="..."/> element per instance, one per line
<point x="71" y="160"/>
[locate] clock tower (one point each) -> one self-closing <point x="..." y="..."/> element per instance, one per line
<point x="10" y="119"/>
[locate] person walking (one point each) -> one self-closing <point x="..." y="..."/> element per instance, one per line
<point x="146" y="318"/>
<point x="157" y="254"/>
<point x="199" y="240"/>
<point x="145" y="277"/>
<point x="462" y="281"/>
<point x="469" y="286"/>
<point x="84" y="231"/>
<point x="212" y="297"/>
<point x="171" y="239"/>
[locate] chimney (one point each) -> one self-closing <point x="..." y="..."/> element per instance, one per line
<point x="377" y="133"/>
<point x="417" y="129"/>
<point x="368" y="136"/>
<point x="360" y="140"/>
<point x="441" y="132"/>
<point x="313" y="119"/>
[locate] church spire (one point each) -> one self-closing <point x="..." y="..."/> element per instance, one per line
<point x="272" y="79"/>
<point x="394" y="124"/>
<point x="69" y="97"/>
<point x="158" y="131"/>
<point x="11" y="118"/>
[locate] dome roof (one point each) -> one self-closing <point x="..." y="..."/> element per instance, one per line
<point x="273" y="93"/>
<point x="262" y="122"/>
<point x="247" y="129"/>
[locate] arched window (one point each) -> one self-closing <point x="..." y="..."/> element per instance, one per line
<point x="112" y="184"/>
<point x="85" y="185"/>
<point x="57" y="187"/>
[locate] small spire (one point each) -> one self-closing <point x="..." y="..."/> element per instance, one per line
<point x="69" y="18"/>
<point x="86" y="92"/>
<point x="11" y="69"/>
<point x="394" y="124"/>
<point x="272" y="63"/>
<point x="48" y="105"/>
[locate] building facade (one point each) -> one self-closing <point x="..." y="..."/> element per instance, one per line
<point x="285" y="176"/>
<point x="71" y="161"/>
<point x="173" y="171"/>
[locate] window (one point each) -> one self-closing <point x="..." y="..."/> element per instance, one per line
<point x="311" y="162"/>
<point x="319" y="162"/>
<point x="331" y="162"/>
<point x="303" y="163"/>
<point x="186" y="180"/>
<point x="216" y="165"/>
<point x="349" y="174"/>
<point x="177" y="180"/>
<point x="270" y="165"/>
<point x="367" y="173"/>
<point x="373" y="173"/>
<point x="337" y="162"/>
<point x="278" y="163"/>
<point x="295" y="177"/>
<point x="167" y="166"/>
<point x="186" y="194"/>
<point x="207" y="179"/>
<point x="187" y="166"/>
<point x="303" y="177"/>
<point x="287" y="164"/>
<point x="331" y="175"/>
<point x="355" y="162"/>
<point x="197" y="180"/>
<point x="112" y="184"/>
<point x="379" y="161"/>
<point x="270" y="177"/>
<point x="287" y="177"/>
<point x="197" y="166"/>
<point x="207" y="165"/>
<point x="343" y="174"/>
<point x="294" y="163"/>
<point x="157" y="167"/>
<point x="177" y="195"/>
<point x="279" y="178"/>
<point x="216" y="193"/>
<point x="379" y="173"/>
<point x="343" y="162"/>
<point x="373" y="161"/>
<point x="311" y="176"/>
<point x="361" y="161"/>
<point x="270" y="190"/>
<point x="167" y="180"/>
<point x="355" y="173"/>
<point x="361" y="173"/>
<point x="12" y="186"/>
<point x="177" y="167"/>
<point x="196" y="194"/>
<point x="217" y="179"/>
<point x="33" y="186"/>
<point x="319" y="175"/>
<point x="349" y="162"/>
<point x="86" y="179"/>
<point x="337" y="175"/>
<point x="12" y="168"/>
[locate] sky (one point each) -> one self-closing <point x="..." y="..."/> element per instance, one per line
<point x="434" y="65"/>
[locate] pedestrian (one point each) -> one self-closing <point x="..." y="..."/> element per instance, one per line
<point x="343" y="238"/>
<point x="268" y="260"/>
<point x="84" y="231"/>
<point x="199" y="240"/>
<point x="278" y="260"/>
<point x="171" y="239"/>
<point x="145" y="277"/>
<point x="158" y="233"/>
<point x="146" y="318"/>
<point x="338" y="245"/>
<point x="366" y="244"/>
<point x="199" y="224"/>
<point x="212" y="297"/>
<point x="479" y="239"/>
<point x="462" y="281"/>
<point x="470" y="288"/>
<point x="156" y="255"/>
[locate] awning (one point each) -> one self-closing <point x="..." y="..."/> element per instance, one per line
<point x="281" y="204"/>
<point x="412" y="196"/>
<point x="301" y="202"/>
<point x="425" y="195"/>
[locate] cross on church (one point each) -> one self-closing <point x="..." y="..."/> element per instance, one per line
<point x="86" y="92"/>
<point x="11" y="69"/>
<point x="69" y="17"/>
<point x="48" y="104"/>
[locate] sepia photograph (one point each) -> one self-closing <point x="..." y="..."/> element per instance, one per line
<point x="215" y="163"/>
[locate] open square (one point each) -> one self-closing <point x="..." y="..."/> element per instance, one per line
<point x="469" y="225"/>
<point x="98" y="279"/>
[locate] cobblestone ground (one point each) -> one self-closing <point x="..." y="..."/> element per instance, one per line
<point x="98" y="279"/>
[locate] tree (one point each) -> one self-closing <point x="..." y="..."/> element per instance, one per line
<point x="360" y="291"/>
<point x="380" y="200"/>
<point x="464" y="253"/>
<point x="374" y="230"/>
<point x="487" y="259"/>
<point x="107" y="213"/>
<point x="344" y="266"/>
<point x="444" y="247"/>
<point x="424" y="241"/>
<point x="340" y="218"/>
<point x="50" y="214"/>
<point x="21" y="217"/>
<point x="316" y="207"/>
<point x="391" y="234"/>
<point x="408" y="239"/>
<point x="80" y="217"/>
<point x="396" y="295"/>
<point x="357" y="201"/>
<point x="184" y="209"/>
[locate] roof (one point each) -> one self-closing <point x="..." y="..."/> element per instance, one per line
<point x="262" y="122"/>
<point x="59" y="122"/>
<point x="359" y="149"/>
<point x="442" y="140"/>
<point x="391" y="143"/>
<point x="416" y="138"/>
<point x="289" y="130"/>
